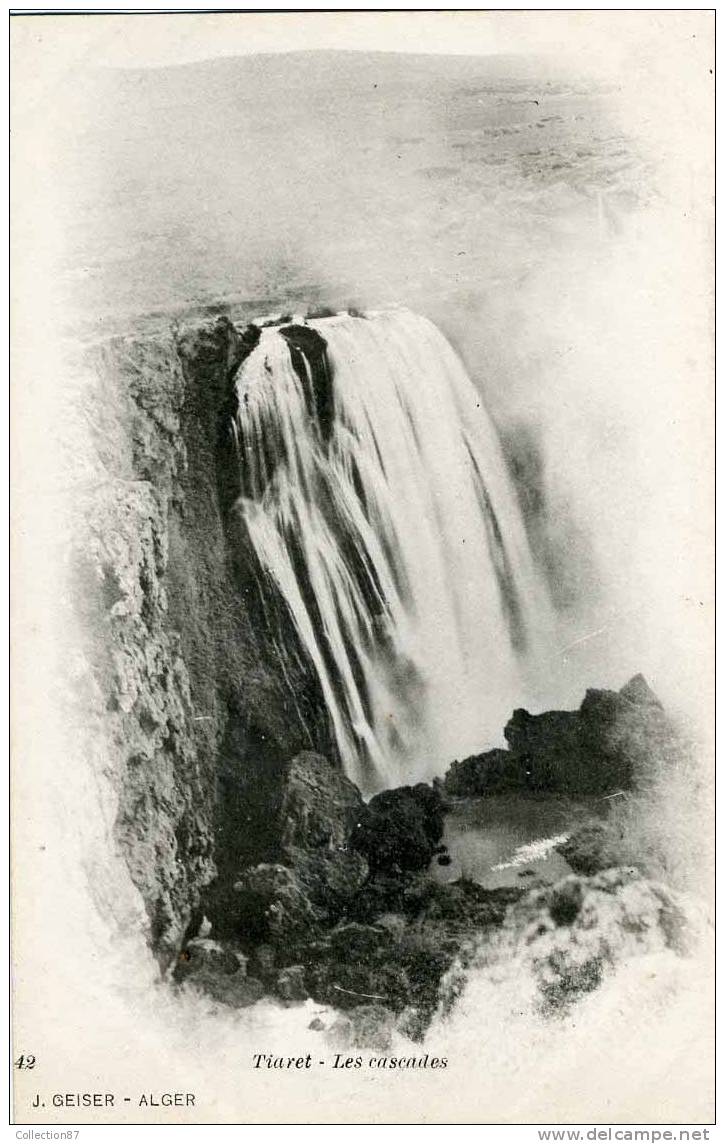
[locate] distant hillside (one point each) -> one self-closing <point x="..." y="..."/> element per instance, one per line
<point x="327" y="178"/>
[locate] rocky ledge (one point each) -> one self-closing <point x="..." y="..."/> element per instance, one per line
<point x="608" y="744"/>
<point x="345" y="912"/>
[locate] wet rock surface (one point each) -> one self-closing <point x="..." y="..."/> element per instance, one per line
<point x="400" y="829"/>
<point x="319" y="806"/>
<point x="314" y="872"/>
<point x="592" y="848"/>
<point x="349" y="915"/>
<point x="487" y="773"/>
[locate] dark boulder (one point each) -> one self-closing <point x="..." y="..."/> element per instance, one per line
<point x="313" y="874"/>
<point x="287" y="905"/>
<point x="400" y="829"/>
<point x="329" y="878"/>
<point x="610" y="743"/>
<point x="272" y="907"/>
<point x="547" y="751"/>
<point x="358" y="942"/>
<point x="319" y="806"/>
<point x="592" y="848"/>
<point x="633" y="729"/>
<point x="388" y="893"/>
<point x="566" y="902"/>
<point x="489" y="772"/>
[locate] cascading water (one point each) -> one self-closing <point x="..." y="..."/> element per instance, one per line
<point x="378" y="503"/>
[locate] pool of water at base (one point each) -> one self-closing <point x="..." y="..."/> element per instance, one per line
<point x="511" y="839"/>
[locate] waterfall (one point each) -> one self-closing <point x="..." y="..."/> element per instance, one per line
<point x="378" y="502"/>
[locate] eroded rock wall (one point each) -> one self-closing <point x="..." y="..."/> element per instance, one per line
<point x="200" y="711"/>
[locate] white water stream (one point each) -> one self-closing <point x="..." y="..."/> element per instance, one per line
<point x="394" y="536"/>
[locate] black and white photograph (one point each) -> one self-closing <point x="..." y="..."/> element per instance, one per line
<point x="362" y="546"/>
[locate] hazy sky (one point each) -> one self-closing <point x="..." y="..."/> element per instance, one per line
<point x="155" y="39"/>
<point x="653" y="58"/>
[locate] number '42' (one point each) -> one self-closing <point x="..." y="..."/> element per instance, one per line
<point x="25" y="1061"/>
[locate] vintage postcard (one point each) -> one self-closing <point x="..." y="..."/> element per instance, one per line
<point x="362" y="554"/>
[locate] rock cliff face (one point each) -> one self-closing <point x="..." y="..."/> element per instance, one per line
<point x="200" y="711"/>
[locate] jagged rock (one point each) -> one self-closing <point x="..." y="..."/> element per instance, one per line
<point x="591" y="849"/>
<point x="400" y="829"/>
<point x="286" y="905"/>
<point x="609" y="743"/>
<point x="319" y="805"/>
<point x="634" y="728"/>
<point x="330" y="878"/>
<point x="387" y="893"/>
<point x="309" y="821"/>
<point x="287" y="902"/>
<point x="605" y="745"/>
<point x="638" y="691"/>
<point x="547" y="749"/>
<point x="187" y="713"/>
<point x="272" y="906"/>
<point x="485" y="773"/>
